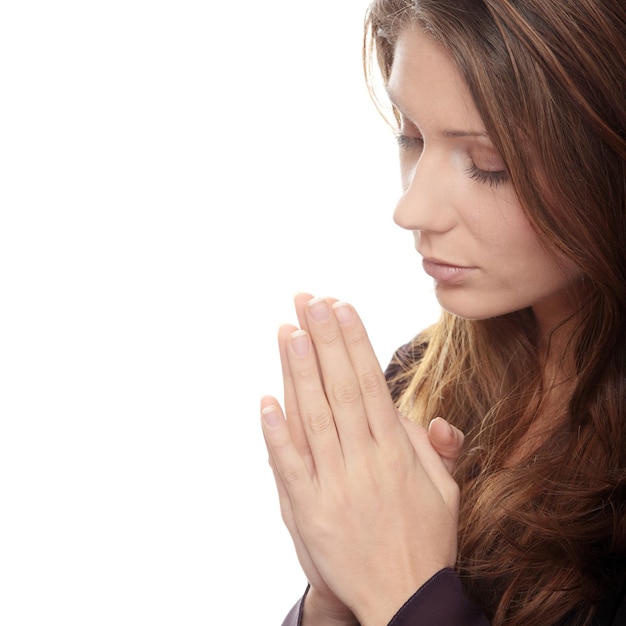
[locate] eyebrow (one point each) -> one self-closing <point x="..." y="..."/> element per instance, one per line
<point x="447" y="132"/>
<point x="465" y="133"/>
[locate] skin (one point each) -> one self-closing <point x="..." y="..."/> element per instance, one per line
<point x="361" y="488"/>
<point x="366" y="495"/>
<point x="457" y="200"/>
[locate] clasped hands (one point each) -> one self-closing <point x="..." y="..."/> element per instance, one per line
<point x="366" y="495"/>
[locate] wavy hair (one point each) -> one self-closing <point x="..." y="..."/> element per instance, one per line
<point x="542" y="540"/>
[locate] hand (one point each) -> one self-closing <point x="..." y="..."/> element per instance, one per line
<point x="371" y="503"/>
<point x="323" y="606"/>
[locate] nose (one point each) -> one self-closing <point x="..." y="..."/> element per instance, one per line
<point x="425" y="203"/>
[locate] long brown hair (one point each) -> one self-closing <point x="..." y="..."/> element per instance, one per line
<point x="542" y="541"/>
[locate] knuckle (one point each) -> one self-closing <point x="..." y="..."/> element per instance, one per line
<point x="307" y="372"/>
<point x="278" y="441"/>
<point x="291" y="475"/>
<point x="356" y="336"/>
<point x="320" y="422"/>
<point x="328" y="336"/>
<point x="346" y="392"/>
<point x="372" y="385"/>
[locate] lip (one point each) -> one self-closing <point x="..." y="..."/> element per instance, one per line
<point x="444" y="272"/>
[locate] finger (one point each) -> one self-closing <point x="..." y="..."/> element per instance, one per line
<point x="294" y="483"/>
<point x="301" y="302"/>
<point x="288" y="516"/>
<point x="376" y="399"/>
<point x="286" y="509"/>
<point x="315" y="413"/>
<point x="289" y="519"/>
<point x="447" y="440"/>
<point x="294" y="419"/>
<point x="432" y="463"/>
<point x="340" y="381"/>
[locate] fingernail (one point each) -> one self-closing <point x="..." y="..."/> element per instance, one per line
<point x="344" y="312"/>
<point x="319" y="310"/>
<point x="300" y="342"/>
<point x="270" y="416"/>
<point x="435" y="419"/>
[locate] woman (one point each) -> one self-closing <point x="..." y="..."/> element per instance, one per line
<point x="511" y="123"/>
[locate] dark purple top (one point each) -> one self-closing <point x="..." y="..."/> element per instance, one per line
<point x="440" y="601"/>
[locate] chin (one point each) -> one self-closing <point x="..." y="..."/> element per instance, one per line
<point x="475" y="308"/>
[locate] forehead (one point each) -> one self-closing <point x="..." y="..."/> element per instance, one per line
<point x="426" y="86"/>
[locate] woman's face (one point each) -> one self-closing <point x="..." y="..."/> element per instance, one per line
<point x="484" y="256"/>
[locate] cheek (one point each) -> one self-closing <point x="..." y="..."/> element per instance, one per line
<point x="500" y="222"/>
<point x="532" y="266"/>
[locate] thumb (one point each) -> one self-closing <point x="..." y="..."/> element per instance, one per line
<point x="447" y="440"/>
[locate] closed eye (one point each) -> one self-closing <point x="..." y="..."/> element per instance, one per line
<point x="409" y="143"/>
<point x="491" y="178"/>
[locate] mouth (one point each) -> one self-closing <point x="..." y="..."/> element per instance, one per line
<point x="444" y="272"/>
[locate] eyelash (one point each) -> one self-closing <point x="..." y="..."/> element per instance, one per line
<point x="493" y="179"/>
<point x="409" y="143"/>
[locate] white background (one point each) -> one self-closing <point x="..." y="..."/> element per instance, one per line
<point x="171" y="174"/>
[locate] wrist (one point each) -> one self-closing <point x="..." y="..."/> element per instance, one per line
<point x="379" y="609"/>
<point x="321" y="611"/>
